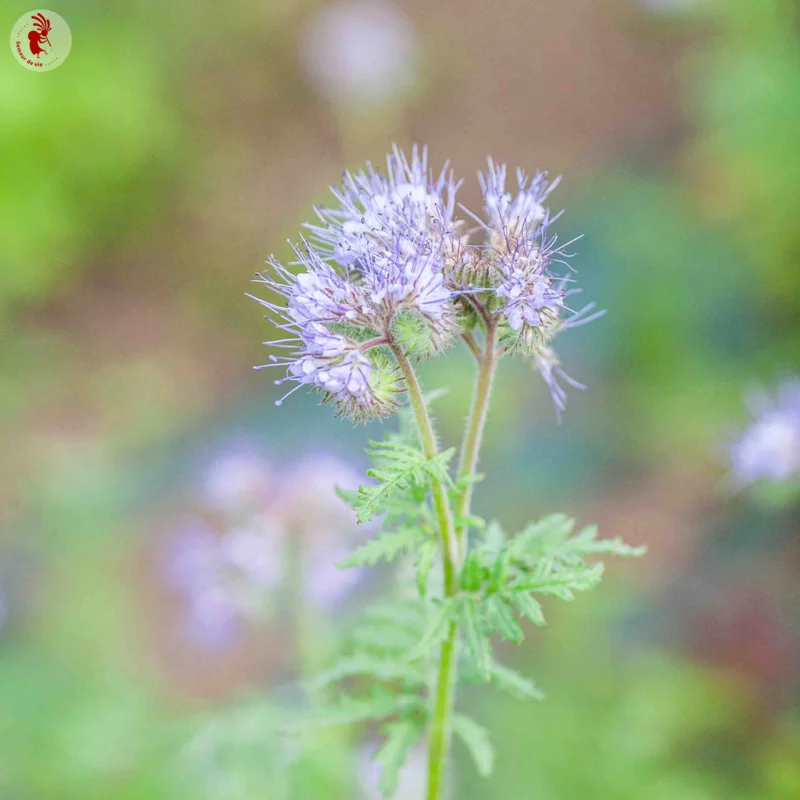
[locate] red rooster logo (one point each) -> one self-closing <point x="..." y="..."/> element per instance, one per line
<point x="39" y="36"/>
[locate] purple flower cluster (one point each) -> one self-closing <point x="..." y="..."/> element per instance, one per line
<point x="530" y="294"/>
<point x="227" y="562"/>
<point x="391" y="264"/>
<point x="379" y="215"/>
<point x="769" y="449"/>
<point x="515" y="216"/>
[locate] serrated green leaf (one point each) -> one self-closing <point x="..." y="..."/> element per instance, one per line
<point x="426" y="558"/>
<point x="409" y="614"/>
<point x="501" y="618"/>
<point x="460" y="485"/>
<point x="378" y="636"/>
<point x="470" y="521"/>
<point x="471" y="572"/>
<point x="563" y="583"/>
<point x="493" y="537"/>
<point x="363" y="664"/>
<point x="538" y="538"/>
<point x="392" y="754"/>
<point x="350" y="496"/>
<point x="501" y="569"/>
<point x="512" y="682"/>
<point x="350" y="710"/>
<point x="476" y="739"/>
<point x="527" y="606"/>
<point x="551" y="538"/>
<point x="385" y="546"/>
<point x="586" y="542"/>
<point x="478" y="646"/>
<point x="437" y="628"/>
<point x="398" y="468"/>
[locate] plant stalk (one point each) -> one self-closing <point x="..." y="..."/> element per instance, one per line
<point x="429" y="447"/>
<point x="441" y="722"/>
<point x="440" y="727"/>
<point x="473" y="434"/>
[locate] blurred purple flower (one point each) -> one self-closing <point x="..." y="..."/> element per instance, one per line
<point x="227" y="578"/>
<point x="328" y="524"/>
<point x="237" y="480"/>
<point x="769" y="449"/>
<point x="360" y="52"/>
<point x="223" y="580"/>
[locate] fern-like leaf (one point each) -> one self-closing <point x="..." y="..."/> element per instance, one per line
<point x="364" y="664"/>
<point x="386" y="546"/>
<point x="476" y="739"/>
<point x="349" y="710"/>
<point x="426" y="557"/>
<point x="527" y="607"/>
<point x="401" y="736"/>
<point x="478" y="646"/>
<point x="437" y="627"/>
<point x="511" y="681"/>
<point x="398" y="467"/>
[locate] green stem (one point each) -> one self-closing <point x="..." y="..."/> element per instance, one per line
<point x="440" y="728"/>
<point x="441" y="722"/>
<point x="429" y="447"/>
<point x="473" y="434"/>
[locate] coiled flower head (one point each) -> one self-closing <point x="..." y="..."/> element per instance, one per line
<point x="530" y="297"/>
<point x="512" y="218"/>
<point x="380" y="215"/>
<point x="392" y="267"/>
<point x="338" y="318"/>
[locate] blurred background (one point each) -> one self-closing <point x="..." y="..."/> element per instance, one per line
<point x="145" y="470"/>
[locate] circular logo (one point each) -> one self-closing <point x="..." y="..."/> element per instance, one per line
<point x="41" y="40"/>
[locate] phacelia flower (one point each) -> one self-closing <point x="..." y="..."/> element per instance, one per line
<point x="769" y="449"/>
<point x="338" y="315"/>
<point x="391" y="266"/>
<point x="512" y="217"/>
<point x="546" y="363"/>
<point x="410" y="281"/>
<point x="531" y="296"/>
<point x="379" y="216"/>
<point x="324" y="311"/>
<point x="334" y="364"/>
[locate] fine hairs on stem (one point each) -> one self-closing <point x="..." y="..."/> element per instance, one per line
<point x="386" y="277"/>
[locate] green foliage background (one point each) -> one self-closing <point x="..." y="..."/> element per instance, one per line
<point x="141" y="184"/>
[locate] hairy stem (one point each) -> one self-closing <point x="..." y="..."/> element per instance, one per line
<point x="370" y="343"/>
<point x="441" y="720"/>
<point x="472" y="344"/>
<point x="473" y="434"/>
<point x="440" y="500"/>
